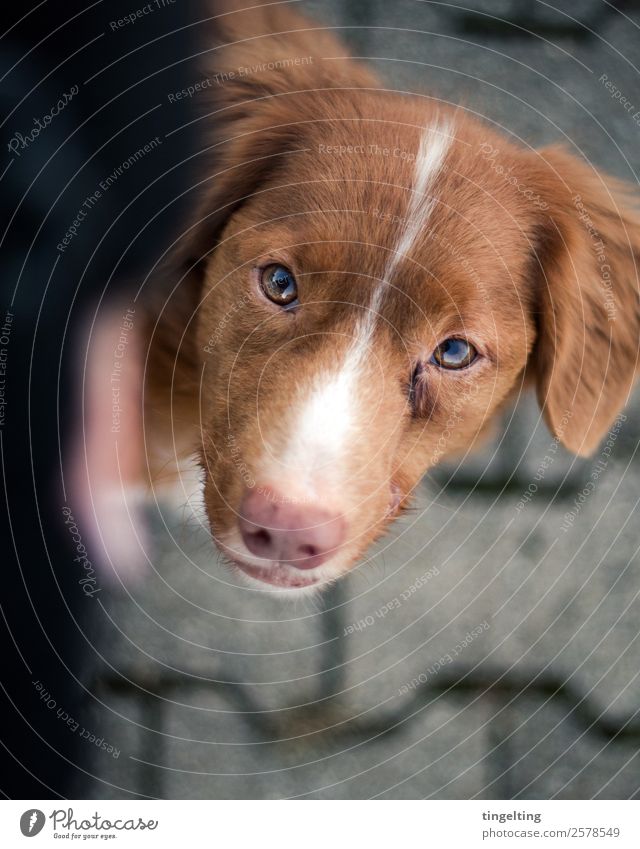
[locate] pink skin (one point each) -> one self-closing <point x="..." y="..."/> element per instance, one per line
<point x="105" y="490"/>
<point x="283" y="524"/>
<point x="300" y="533"/>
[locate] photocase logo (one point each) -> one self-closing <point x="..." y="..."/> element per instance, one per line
<point x="32" y="822"/>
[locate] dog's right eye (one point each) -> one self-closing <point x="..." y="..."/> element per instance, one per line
<point x="279" y="285"/>
<point x="454" y="354"/>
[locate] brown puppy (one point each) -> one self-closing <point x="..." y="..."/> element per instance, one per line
<point x="368" y="279"/>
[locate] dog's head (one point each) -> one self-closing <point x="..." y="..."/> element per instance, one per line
<point x="370" y="278"/>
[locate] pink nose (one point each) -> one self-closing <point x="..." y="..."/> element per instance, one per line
<point x="296" y="532"/>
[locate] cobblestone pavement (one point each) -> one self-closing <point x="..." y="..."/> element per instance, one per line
<point x="489" y="647"/>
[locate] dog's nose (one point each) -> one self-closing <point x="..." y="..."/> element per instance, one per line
<point x="288" y="530"/>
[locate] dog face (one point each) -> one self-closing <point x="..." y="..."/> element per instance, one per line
<point x="370" y="279"/>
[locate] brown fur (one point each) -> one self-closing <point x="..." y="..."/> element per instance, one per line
<point x="505" y="258"/>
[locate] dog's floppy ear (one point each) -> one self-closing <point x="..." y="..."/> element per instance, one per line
<point x="586" y="258"/>
<point x="265" y="67"/>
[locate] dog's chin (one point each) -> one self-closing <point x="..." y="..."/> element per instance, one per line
<point x="273" y="576"/>
<point x="280" y="576"/>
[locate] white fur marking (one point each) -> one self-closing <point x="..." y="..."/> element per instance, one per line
<point x="434" y="144"/>
<point x="323" y="431"/>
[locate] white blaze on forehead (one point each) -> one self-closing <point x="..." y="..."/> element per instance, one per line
<point x="434" y="144"/>
<point x="326" y="421"/>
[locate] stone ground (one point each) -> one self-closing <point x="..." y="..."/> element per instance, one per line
<point x="512" y="672"/>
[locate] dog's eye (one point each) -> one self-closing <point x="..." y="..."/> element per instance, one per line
<point x="279" y="285"/>
<point x="454" y="354"/>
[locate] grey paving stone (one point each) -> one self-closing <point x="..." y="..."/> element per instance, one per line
<point x="562" y="15"/>
<point x="121" y="721"/>
<point x="563" y="602"/>
<point x="516" y="454"/>
<point x="489" y="603"/>
<point x="222" y="756"/>
<point x="546" y="754"/>
<point x="191" y="618"/>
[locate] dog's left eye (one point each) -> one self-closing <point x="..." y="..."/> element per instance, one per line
<point x="279" y="285"/>
<point x="454" y="353"/>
